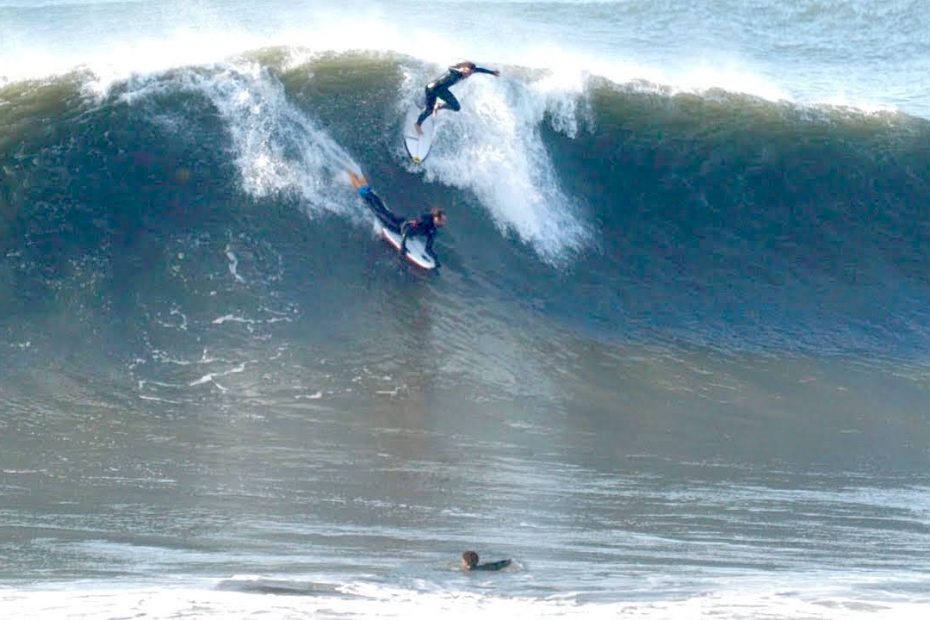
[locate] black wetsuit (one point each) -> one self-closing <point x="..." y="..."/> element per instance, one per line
<point x="422" y="226"/>
<point x="384" y="215"/>
<point x="493" y="565"/>
<point x="440" y="88"/>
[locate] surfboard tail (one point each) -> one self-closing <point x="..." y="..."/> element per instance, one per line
<point x="418" y="144"/>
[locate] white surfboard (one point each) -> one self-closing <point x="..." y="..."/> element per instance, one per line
<point x="418" y="146"/>
<point x="416" y="247"/>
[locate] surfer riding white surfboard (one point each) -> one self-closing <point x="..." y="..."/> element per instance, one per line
<point x="418" y="144"/>
<point x="413" y="237"/>
<point x="438" y="97"/>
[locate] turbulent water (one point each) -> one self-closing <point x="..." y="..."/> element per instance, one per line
<point x="675" y="363"/>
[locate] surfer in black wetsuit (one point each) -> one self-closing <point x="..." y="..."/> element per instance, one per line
<point x="425" y="226"/>
<point x="439" y="88"/>
<point x="470" y="562"/>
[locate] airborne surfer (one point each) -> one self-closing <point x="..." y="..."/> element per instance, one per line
<point x="426" y="225"/>
<point x="439" y="89"/>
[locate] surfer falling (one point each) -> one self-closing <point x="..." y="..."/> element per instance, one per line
<point x="439" y="89"/>
<point x="426" y="225"/>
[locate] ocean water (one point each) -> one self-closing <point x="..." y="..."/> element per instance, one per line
<point x="676" y="363"/>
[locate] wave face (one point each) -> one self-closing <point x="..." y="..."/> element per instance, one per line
<point x="719" y="219"/>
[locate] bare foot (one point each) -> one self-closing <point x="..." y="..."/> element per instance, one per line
<point x="357" y="181"/>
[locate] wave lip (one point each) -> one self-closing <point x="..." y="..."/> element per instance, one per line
<point x="813" y="56"/>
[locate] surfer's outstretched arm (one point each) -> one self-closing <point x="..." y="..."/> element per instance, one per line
<point x="465" y="69"/>
<point x="494" y="72"/>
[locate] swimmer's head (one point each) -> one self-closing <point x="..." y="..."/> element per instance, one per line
<point x="469" y="560"/>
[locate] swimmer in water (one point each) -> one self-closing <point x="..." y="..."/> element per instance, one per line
<point x="470" y="562"/>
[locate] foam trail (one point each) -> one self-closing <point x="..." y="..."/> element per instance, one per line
<point x="279" y="149"/>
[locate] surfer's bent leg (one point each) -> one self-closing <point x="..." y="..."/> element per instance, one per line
<point x="430" y="102"/>
<point x="404" y="231"/>
<point x="450" y="101"/>
<point x="429" y="248"/>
